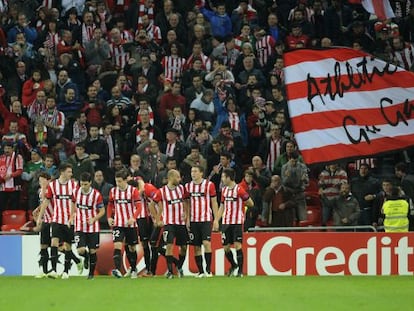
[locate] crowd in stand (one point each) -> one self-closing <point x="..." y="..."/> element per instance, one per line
<point x="154" y="85"/>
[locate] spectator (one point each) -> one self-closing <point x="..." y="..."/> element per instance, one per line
<point x="136" y="169"/>
<point x="195" y="158"/>
<point x="396" y="210"/>
<point x="278" y="207"/>
<point x="153" y="158"/>
<point x="362" y="185"/>
<point x="290" y="149"/>
<point x="80" y="161"/>
<point x="345" y="207"/>
<point x="294" y="176"/>
<point x="22" y="26"/>
<point x="170" y="99"/>
<point x="204" y="107"/>
<point x="11" y="169"/>
<point x="330" y="181"/>
<point x="220" y="22"/>
<point x="15" y="114"/>
<point x="97" y="149"/>
<point x="250" y="185"/>
<point x="103" y="187"/>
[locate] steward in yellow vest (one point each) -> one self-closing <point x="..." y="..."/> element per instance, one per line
<point x="395" y="210"/>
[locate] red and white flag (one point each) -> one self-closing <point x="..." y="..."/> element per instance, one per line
<point x="381" y="8"/>
<point x="345" y="103"/>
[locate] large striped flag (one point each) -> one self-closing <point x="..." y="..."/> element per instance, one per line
<point x="345" y="103"/>
<point x="381" y="8"/>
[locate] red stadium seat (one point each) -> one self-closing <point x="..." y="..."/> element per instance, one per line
<point x="14" y="217"/>
<point x="10" y="227"/>
<point x="313" y="217"/>
<point x="312" y="199"/>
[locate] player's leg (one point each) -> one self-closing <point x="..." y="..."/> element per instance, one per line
<point x="227" y="240"/>
<point x="55" y="234"/>
<point x="168" y="236"/>
<point x="238" y="239"/>
<point x="206" y="240"/>
<point x="144" y="231"/>
<point x="118" y="236"/>
<point x="80" y="241"/>
<point x="93" y="245"/>
<point x="195" y="239"/>
<point x="45" y="241"/>
<point x="67" y="238"/>
<point x="181" y="239"/>
<point x="131" y="239"/>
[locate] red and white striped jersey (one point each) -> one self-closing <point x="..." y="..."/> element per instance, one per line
<point x="264" y="49"/>
<point x="48" y="215"/>
<point x="173" y="66"/>
<point x="233" y="199"/>
<point x="234" y="120"/>
<point x="146" y="196"/>
<point x="118" y="55"/>
<point x="275" y="147"/>
<point x="87" y="207"/>
<point x="404" y="57"/>
<point x="154" y="33"/>
<point x="200" y="200"/>
<point x="127" y="36"/>
<point x="61" y="197"/>
<point x="124" y="205"/>
<point x="172" y="201"/>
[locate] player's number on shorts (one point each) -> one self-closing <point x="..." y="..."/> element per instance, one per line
<point x="77" y="239"/>
<point x="116" y="234"/>
<point x="165" y="236"/>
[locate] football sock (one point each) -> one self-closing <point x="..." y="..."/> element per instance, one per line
<point x="54" y="257"/>
<point x="147" y="256"/>
<point x="230" y="258"/>
<point x="180" y="261"/>
<point x="74" y="258"/>
<point x="154" y="260"/>
<point x="240" y="260"/>
<point x="44" y="258"/>
<point x="169" y="263"/>
<point x="207" y="258"/>
<point x="68" y="258"/>
<point x="117" y="259"/>
<point x="93" y="258"/>
<point x="199" y="263"/>
<point x="133" y="260"/>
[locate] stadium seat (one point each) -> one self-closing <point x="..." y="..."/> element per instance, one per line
<point x="10" y="227"/>
<point x="312" y="199"/>
<point x="14" y="217"/>
<point x="313" y="217"/>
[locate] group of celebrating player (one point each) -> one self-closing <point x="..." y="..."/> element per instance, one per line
<point x="175" y="213"/>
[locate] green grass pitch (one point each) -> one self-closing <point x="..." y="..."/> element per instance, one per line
<point x="218" y="293"/>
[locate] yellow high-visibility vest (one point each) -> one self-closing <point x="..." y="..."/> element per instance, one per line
<point x="395" y="212"/>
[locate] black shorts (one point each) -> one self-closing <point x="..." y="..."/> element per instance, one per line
<point x="45" y="238"/>
<point x="129" y="234"/>
<point x="62" y="232"/>
<point x="199" y="232"/>
<point x="231" y="234"/>
<point x="145" y="227"/>
<point x="83" y="239"/>
<point x="179" y="232"/>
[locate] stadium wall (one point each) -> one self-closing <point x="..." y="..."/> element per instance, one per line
<point x="308" y="253"/>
